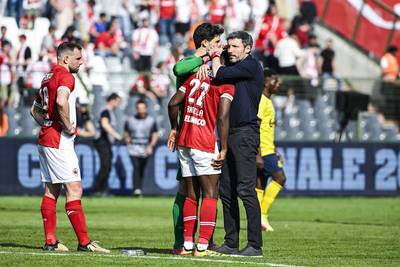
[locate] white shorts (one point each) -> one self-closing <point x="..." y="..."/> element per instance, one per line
<point x="58" y="165"/>
<point x="195" y="162"/>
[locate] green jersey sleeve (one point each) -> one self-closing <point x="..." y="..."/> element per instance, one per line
<point x="185" y="67"/>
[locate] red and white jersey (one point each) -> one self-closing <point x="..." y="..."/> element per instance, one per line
<point x="200" y="112"/>
<point x="51" y="133"/>
<point x="167" y="9"/>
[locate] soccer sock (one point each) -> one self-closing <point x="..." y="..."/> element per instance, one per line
<point x="177" y="216"/>
<point x="77" y="218"/>
<point x="189" y="220"/>
<point x="49" y="216"/>
<point x="208" y="214"/>
<point x="271" y="192"/>
<point x="260" y="195"/>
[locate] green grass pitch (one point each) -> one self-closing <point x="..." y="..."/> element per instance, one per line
<point x="308" y="232"/>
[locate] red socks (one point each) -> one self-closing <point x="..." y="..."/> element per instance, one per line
<point x="78" y="221"/>
<point x="48" y="209"/>
<point x="189" y="219"/>
<point x="208" y="214"/>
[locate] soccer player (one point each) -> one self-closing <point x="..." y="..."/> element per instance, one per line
<point x="207" y="105"/>
<point x="205" y="37"/>
<point x="54" y="110"/>
<point x="271" y="162"/>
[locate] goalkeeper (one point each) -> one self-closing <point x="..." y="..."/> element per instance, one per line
<point x="182" y="70"/>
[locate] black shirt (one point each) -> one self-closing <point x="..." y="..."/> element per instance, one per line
<point x="327" y="60"/>
<point x="248" y="77"/>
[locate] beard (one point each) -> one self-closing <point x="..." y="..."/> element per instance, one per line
<point x="73" y="70"/>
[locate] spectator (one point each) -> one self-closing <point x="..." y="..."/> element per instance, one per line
<point x="49" y="40"/>
<point x="14" y="9"/>
<point x="166" y="10"/>
<point x="106" y="136"/>
<point x="141" y="137"/>
<point x="237" y="15"/>
<point x="6" y="73"/>
<point x="107" y="44"/>
<point x="24" y="57"/>
<point x="302" y="33"/>
<point x="217" y="11"/>
<point x="308" y="63"/>
<point x="328" y="66"/>
<point x="183" y="14"/>
<point x="35" y="73"/>
<point x="273" y="29"/>
<point x="144" y="44"/>
<point x="3" y="120"/>
<point x="308" y="11"/>
<point x="101" y="25"/>
<point x="389" y="64"/>
<point x="160" y="81"/>
<point x="3" y="37"/>
<point x="288" y="51"/>
<point x="84" y="124"/>
<point x="70" y="35"/>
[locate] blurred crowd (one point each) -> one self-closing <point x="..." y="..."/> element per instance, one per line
<point x="150" y="36"/>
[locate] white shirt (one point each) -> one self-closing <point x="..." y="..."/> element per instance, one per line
<point x="287" y="51"/>
<point x="144" y="41"/>
<point x="183" y="10"/>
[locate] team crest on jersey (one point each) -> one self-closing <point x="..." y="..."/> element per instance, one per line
<point x="75" y="171"/>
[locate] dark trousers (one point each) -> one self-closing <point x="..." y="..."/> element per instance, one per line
<point x="139" y="165"/>
<point x="239" y="179"/>
<point x="103" y="148"/>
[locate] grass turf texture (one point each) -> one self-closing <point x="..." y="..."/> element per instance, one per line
<point x="308" y="232"/>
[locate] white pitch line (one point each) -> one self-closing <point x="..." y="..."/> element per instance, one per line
<point x="150" y="257"/>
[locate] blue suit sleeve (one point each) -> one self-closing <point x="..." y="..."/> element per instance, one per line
<point x="237" y="71"/>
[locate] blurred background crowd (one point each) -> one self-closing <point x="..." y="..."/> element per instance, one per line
<point x="130" y="47"/>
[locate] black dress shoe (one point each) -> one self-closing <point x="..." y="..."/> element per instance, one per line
<point x="250" y="251"/>
<point x="225" y="249"/>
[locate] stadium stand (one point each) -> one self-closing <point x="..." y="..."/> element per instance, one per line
<point x="308" y="115"/>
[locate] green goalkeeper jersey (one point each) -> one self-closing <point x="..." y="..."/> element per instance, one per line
<point x="182" y="70"/>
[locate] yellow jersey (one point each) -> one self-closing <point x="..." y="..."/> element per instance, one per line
<point x="266" y="113"/>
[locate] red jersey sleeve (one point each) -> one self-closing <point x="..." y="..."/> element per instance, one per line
<point x="227" y="91"/>
<point x="67" y="80"/>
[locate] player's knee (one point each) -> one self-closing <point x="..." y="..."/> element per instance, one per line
<point x="210" y="194"/>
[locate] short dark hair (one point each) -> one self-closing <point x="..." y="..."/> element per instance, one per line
<point x="246" y="38"/>
<point x="206" y="31"/>
<point x="67" y="47"/>
<point x="268" y="73"/>
<point x="141" y="101"/>
<point x="112" y="96"/>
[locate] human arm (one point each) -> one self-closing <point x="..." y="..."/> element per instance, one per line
<point x="37" y="114"/>
<point x="187" y="65"/>
<point x="127" y="134"/>
<point x="106" y="125"/>
<point x="173" y="111"/>
<point x="88" y="130"/>
<point x="62" y="104"/>
<point x="241" y="70"/>
<point x="223" y="130"/>
<point x="153" y="141"/>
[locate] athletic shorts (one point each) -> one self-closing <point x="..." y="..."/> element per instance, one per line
<point x="271" y="165"/>
<point x="195" y="162"/>
<point x="58" y="166"/>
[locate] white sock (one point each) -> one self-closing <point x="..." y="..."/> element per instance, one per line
<point x="202" y="246"/>
<point x="188" y="245"/>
